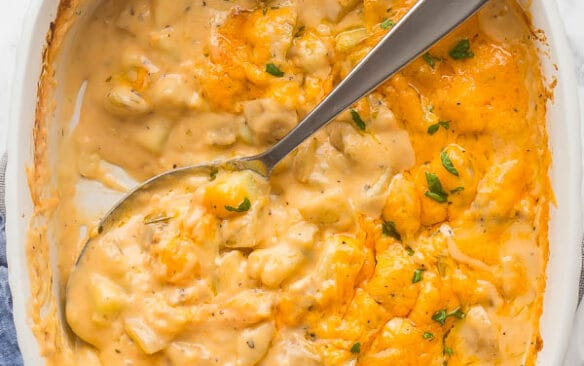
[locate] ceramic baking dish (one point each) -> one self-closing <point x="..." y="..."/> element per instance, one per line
<point x="566" y="172"/>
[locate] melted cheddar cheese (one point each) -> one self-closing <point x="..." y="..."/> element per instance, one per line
<point x="412" y="230"/>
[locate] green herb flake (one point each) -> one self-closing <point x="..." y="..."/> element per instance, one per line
<point x="434" y="183"/>
<point x="447" y="163"/>
<point x="356" y="348"/>
<point x="440" y="316"/>
<point x="441" y="198"/>
<point x="429" y="59"/>
<point x="358" y="120"/>
<point x="410" y="251"/>
<point x="274" y="70"/>
<point x="461" y="50"/>
<point x="436" y="192"/>
<point x="457" y="313"/>
<point x="387" y="23"/>
<point x="417" y="275"/>
<point x="457" y="189"/>
<point x="432" y="129"/>
<point x="427" y="335"/>
<point x="444" y="124"/>
<point x="243" y="207"/>
<point x="448" y="351"/>
<point x="388" y="229"/>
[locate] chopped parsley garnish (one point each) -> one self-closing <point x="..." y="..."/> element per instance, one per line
<point x="243" y="207"/>
<point x="457" y="313"/>
<point x="448" y="351"/>
<point x="358" y="120"/>
<point x="356" y="348"/>
<point x="387" y="23"/>
<point x="417" y="275"/>
<point x="274" y="70"/>
<point x="436" y="192"/>
<point x="441" y="315"/>
<point x="432" y="129"/>
<point x="430" y="60"/>
<point x="427" y="335"/>
<point x="457" y="189"/>
<point x="447" y="163"/>
<point x="388" y="229"/>
<point x="437" y="197"/>
<point x="461" y="50"/>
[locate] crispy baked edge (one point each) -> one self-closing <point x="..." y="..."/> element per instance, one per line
<point x="43" y="310"/>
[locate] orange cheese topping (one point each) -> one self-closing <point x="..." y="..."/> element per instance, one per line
<point x="411" y="230"/>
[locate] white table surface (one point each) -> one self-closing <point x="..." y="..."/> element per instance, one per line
<point x="14" y="11"/>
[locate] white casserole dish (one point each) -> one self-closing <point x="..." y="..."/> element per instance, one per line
<point x="566" y="173"/>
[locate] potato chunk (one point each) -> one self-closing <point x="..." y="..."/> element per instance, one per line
<point x="109" y="298"/>
<point x="327" y="208"/>
<point x="391" y="285"/>
<point x="232" y="273"/>
<point x="179" y="259"/>
<point x="253" y="343"/>
<point x="144" y="335"/>
<point x="274" y="265"/>
<point x="233" y="194"/>
<point x="172" y="92"/>
<point x="250" y="307"/>
<point x="268" y="120"/>
<point x="312" y="54"/>
<point x="339" y="264"/>
<point x="123" y="101"/>
<point x="403" y="206"/>
<point x="346" y="40"/>
<point x="500" y="189"/>
<point x="475" y="338"/>
<point x="270" y="34"/>
<point x="155" y="324"/>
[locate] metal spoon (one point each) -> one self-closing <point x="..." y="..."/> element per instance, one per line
<point x="425" y="24"/>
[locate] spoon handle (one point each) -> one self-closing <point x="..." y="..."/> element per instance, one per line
<point x="425" y="24"/>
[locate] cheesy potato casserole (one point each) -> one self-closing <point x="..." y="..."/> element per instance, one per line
<point x="412" y="230"/>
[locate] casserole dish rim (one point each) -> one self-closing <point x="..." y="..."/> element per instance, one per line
<point x="561" y="295"/>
